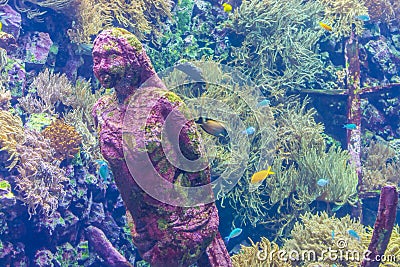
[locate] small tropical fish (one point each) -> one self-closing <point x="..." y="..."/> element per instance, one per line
<point x="1" y="26"/>
<point x="191" y="70"/>
<point x="212" y="127"/>
<point x="104" y="171"/>
<point x="363" y="17"/>
<point x="236" y="249"/>
<point x="250" y="130"/>
<point x="336" y="208"/>
<point x="350" y="126"/>
<point x="235" y="232"/>
<point x="322" y="182"/>
<point x="84" y="49"/>
<point x="333" y="234"/>
<point x="227" y="42"/>
<point x="325" y="26"/>
<point x="354" y="234"/>
<point x="227" y="7"/>
<point x="261" y="175"/>
<point x="264" y="103"/>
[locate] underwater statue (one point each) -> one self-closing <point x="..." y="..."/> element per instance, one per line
<point x="165" y="234"/>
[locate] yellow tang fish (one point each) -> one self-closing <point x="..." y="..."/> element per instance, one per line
<point x="261" y="175"/>
<point x="325" y="26"/>
<point x="1" y="26"/>
<point x="227" y="7"/>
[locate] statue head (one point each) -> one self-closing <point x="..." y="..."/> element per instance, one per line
<point x="120" y="62"/>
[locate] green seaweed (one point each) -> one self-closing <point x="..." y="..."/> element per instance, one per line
<point x="5" y="185"/>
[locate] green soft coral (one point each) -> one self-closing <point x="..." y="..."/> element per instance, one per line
<point x="6" y="194"/>
<point x="38" y="121"/>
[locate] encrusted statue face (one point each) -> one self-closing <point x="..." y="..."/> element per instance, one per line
<point x="120" y="62"/>
<point x="109" y="65"/>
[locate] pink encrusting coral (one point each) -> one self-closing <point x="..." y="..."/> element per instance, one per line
<point x="165" y="234"/>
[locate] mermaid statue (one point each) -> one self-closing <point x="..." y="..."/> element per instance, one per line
<point x="142" y="127"/>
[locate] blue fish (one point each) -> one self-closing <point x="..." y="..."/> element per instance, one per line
<point x="264" y="103"/>
<point x="333" y="235"/>
<point x="350" y="126"/>
<point x="363" y="17"/>
<point x="235" y="232"/>
<point x="354" y="234"/>
<point x="104" y="171"/>
<point x="250" y="130"/>
<point x="322" y="182"/>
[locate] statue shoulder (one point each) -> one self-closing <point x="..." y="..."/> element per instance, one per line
<point x="103" y="102"/>
<point x="101" y="105"/>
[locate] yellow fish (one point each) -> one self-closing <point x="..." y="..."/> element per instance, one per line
<point x="325" y="26"/>
<point x="212" y="127"/>
<point x="1" y="26"/>
<point x="227" y="7"/>
<point x="261" y="175"/>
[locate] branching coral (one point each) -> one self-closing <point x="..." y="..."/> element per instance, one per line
<point x="342" y="15"/>
<point x="80" y="117"/>
<point x="64" y="139"/>
<point x="141" y="17"/>
<point x="279" y="47"/>
<point x="40" y="181"/>
<point x="50" y="88"/>
<point x="138" y="16"/>
<point x="31" y="104"/>
<point x="259" y="254"/>
<point x="11" y="134"/>
<point x="379" y="167"/>
<point x="91" y="19"/>
<point x="82" y="99"/>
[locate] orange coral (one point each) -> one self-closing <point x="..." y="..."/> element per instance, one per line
<point x="64" y="139"/>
